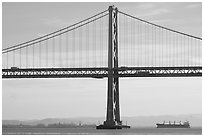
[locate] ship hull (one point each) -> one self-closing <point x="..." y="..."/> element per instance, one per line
<point x="112" y="127"/>
<point x="108" y="127"/>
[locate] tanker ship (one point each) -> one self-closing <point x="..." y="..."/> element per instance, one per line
<point x="173" y="125"/>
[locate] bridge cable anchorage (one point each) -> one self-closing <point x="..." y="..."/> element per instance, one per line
<point x="160" y="26"/>
<point x="19" y="47"/>
<point x="55" y="31"/>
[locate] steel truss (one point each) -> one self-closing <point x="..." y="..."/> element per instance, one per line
<point x="102" y="72"/>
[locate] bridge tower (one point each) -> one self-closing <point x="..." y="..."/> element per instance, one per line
<point x="113" y="110"/>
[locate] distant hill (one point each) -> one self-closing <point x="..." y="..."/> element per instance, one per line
<point x="137" y="121"/>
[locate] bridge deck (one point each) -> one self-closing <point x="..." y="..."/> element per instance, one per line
<point x="102" y="72"/>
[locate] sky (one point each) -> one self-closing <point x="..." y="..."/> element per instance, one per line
<point x="46" y="98"/>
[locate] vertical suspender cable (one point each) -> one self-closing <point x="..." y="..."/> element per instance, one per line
<point x="169" y="49"/>
<point x="20" y="57"/>
<point x="81" y="53"/>
<point x="72" y="59"/>
<point x="76" y="48"/>
<point x="87" y="47"/>
<point x="155" y="49"/>
<point x="13" y="58"/>
<point x="180" y="49"/>
<point x="71" y="49"/>
<point x="200" y="53"/>
<point x="39" y="54"/>
<point x="141" y="45"/>
<point x="33" y="55"/>
<point x="188" y="51"/>
<point x="60" y="51"/>
<point x="124" y="47"/>
<point x="176" y="50"/>
<point x="197" y="52"/>
<point x="80" y="46"/>
<point x="148" y="55"/>
<point x="66" y="48"/>
<point x="7" y="58"/>
<point x="53" y="51"/>
<point x="102" y="46"/>
<point x="134" y="42"/>
<point x="94" y="44"/>
<point x="46" y="52"/>
<point x="100" y="49"/>
<point x="26" y="57"/>
<point x="162" y="45"/>
<point x="131" y="39"/>
<point x="152" y="57"/>
<point x="195" y="49"/>
<point x="125" y="40"/>
<point x="126" y="43"/>
<point x="182" y="54"/>
<point x="159" y="46"/>
<point x="138" y="43"/>
<point x="145" y="63"/>
<point x="183" y="38"/>
<point x="173" y="49"/>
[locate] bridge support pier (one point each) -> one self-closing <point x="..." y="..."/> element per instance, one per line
<point x="113" y="111"/>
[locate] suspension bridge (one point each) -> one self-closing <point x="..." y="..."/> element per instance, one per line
<point x="110" y="44"/>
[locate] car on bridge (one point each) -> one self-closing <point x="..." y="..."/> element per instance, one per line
<point x="143" y="72"/>
<point x="14" y="68"/>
